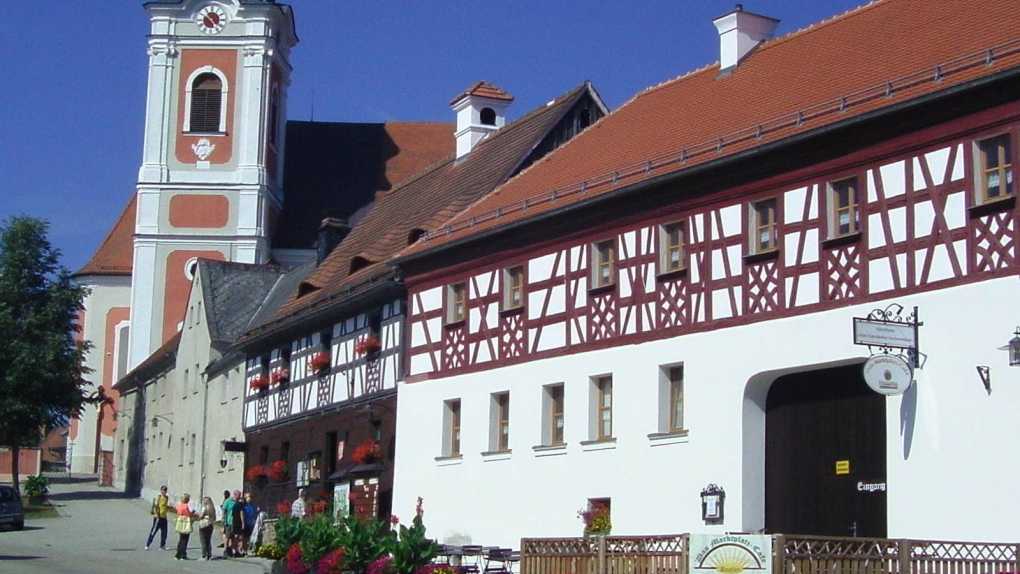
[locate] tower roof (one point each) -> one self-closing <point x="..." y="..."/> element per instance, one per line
<point x="484" y="89"/>
<point x="115" y="253"/>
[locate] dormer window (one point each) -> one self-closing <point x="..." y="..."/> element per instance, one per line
<point x="357" y="264"/>
<point x="414" y="235"/>
<point x="206" y="104"/>
<point x="487" y="116"/>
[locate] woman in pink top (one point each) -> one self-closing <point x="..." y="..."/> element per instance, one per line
<point x="183" y="526"/>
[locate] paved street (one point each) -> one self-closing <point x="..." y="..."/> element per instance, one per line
<point x="100" y="531"/>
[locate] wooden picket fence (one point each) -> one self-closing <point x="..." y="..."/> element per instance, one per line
<point x="791" y="555"/>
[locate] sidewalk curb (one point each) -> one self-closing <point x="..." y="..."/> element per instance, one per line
<point x="267" y="565"/>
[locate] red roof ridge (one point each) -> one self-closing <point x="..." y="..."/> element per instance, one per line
<point x="483" y="89"/>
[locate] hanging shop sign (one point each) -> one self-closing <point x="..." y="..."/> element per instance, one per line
<point x="887" y="330"/>
<point x="730" y="553"/>
<point x="888" y="374"/>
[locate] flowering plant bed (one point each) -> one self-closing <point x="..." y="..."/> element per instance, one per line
<point x="280" y="376"/>
<point x="259" y="383"/>
<point x="596" y="519"/>
<point x="319" y="362"/>
<point x="368" y="345"/>
<point x="367" y="452"/>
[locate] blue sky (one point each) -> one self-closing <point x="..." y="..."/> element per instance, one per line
<point x="72" y="106"/>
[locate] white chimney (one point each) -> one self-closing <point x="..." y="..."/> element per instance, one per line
<point x="481" y="110"/>
<point x="739" y="33"/>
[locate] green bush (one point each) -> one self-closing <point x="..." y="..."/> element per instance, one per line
<point x="364" y="540"/>
<point x="412" y="550"/>
<point x="288" y="531"/>
<point x="37" y="486"/>
<point x="318" y="537"/>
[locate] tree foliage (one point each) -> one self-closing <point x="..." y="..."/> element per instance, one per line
<point x="42" y="369"/>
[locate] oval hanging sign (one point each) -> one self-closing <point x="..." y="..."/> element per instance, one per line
<point x="888" y="374"/>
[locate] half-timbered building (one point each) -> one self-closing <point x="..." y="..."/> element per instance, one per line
<point x="657" y="318"/>
<point x="320" y="408"/>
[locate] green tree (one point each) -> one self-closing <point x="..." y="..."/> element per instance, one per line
<point x="42" y="368"/>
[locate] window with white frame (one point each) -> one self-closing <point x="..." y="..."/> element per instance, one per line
<point x="456" y="303"/>
<point x="844" y="213"/>
<point x="995" y="168"/>
<point x="552" y="419"/>
<point x="603" y="263"/>
<point x="451" y="428"/>
<point x="601" y="408"/>
<point x="499" y="422"/>
<point x="671" y="398"/>
<point x="671" y="247"/>
<point x="762" y="230"/>
<point x="513" y="288"/>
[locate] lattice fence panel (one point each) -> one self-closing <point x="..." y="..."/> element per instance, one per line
<point x="934" y="557"/>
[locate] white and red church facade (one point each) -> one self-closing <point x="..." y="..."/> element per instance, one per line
<point x="630" y="349"/>
<point x="209" y="187"/>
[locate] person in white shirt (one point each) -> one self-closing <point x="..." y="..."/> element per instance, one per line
<point x="297" y="510"/>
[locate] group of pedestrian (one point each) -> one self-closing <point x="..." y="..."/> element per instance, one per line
<point x="240" y="516"/>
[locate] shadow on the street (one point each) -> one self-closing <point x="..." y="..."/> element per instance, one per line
<point x="6" y="557"/>
<point x="64" y="479"/>
<point x="90" y="495"/>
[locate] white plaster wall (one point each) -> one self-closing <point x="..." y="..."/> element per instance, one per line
<point x="106" y="293"/>
<point x="950" y="473"/>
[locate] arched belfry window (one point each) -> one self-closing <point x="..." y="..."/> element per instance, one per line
<point x="206" y="101"/>
<point x="487" y="117"/>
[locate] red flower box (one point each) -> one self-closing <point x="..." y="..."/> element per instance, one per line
<point x="259" y="383"/>
<point x="366" y="452"/>
<point x="280" y="376"/>
<point x="283" y="508"/>
<point x="319" y="361"/>
<point x="368" y="345"/>
<point x="254" y="473"/>
<point x="278" y="470"/>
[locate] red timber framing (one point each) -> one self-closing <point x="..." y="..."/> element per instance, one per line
<point x="352" y="375"/>
<point x="919" y="228"/>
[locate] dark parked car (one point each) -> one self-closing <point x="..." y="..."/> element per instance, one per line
<point x="10" y="508"/>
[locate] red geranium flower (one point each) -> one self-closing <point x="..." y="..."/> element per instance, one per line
<point x="331" y="563"/>
<point x="319" y="361"/>
<point x="295" y="561"/>
<point x="366" y="453"/>
<point x="280" y="376"/>
<point x="259" y="383"/>
<point x="283" y="508"/>
<point x="368" y="345"/>
<point x="278" y="470"/>
<point x="254" y="473"/>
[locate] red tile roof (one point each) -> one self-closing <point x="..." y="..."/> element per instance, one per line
<point x="483" y="89"/>
<point x="116" y="252"/>
<point x="878" y="55"/>
<point x="334" y="169"/>
<point x="424" y="203"/>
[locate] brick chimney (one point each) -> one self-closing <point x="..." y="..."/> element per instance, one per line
<point x="481" y="110"/>
<point x="739" y="33"/>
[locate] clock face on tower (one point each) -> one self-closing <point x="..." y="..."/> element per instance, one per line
<point x="211" y="19"/>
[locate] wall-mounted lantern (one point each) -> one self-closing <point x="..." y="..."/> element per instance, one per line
<point x="1014" y="349"/>
<point x="713" y="499"/>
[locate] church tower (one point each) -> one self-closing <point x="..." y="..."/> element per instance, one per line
<point x="210" y="181"/>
